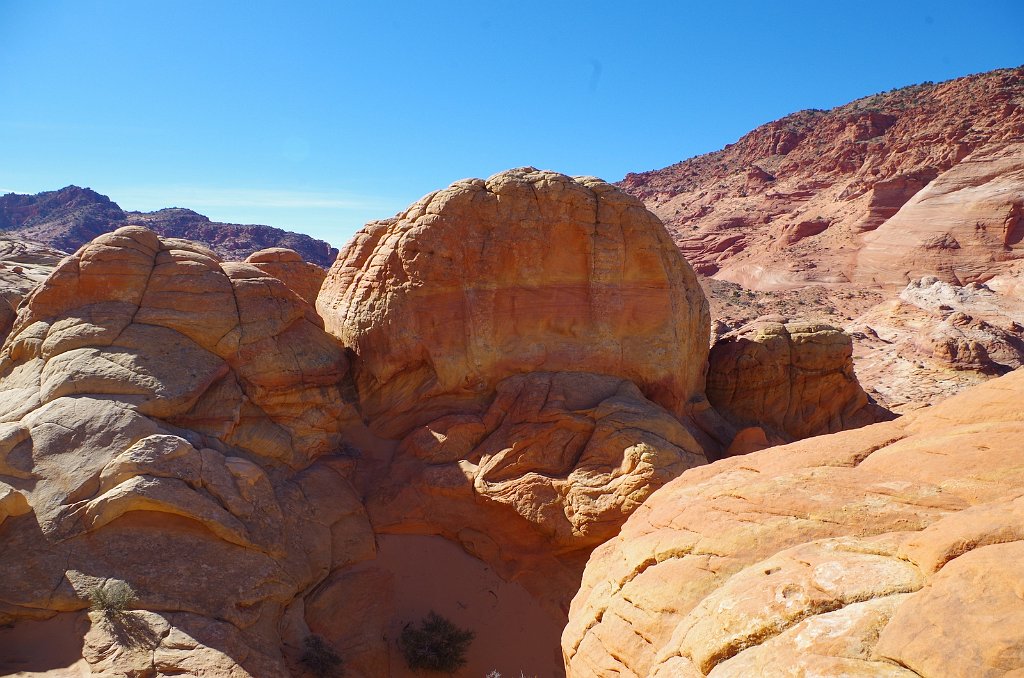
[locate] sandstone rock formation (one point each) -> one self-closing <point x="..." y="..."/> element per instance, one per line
<point x="836" y="208"/>
<point x="519" y="366"/>
<point x="537" y="347"/>
<point x="528" y="271"/>
<point x="888" y="550"/>
<point x="154" y="394"/>
<point x="935" y="339"/>
<point x="793" y="379"/>
<point x="918" y="170"/>
<point x="70" y="217"/>
<point x="960" y="228"/>
<point x="301" y="277"/>
<point x="551" y="469"/>
<point x="167" y="420"/>
<point x="23" y="265"/>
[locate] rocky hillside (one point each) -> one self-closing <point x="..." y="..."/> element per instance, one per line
<point x="69" y="218"/>
<point x="926" y="179"/>
<point x="872" y="216"/>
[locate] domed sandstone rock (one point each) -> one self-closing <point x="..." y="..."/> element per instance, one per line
<point x="287" y="265"/>
<point x="528" y="271"/>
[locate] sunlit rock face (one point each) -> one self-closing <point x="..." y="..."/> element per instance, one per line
<point x="528" y="271"/>
<point x="287" y="265"/>
<point x="888" y="550"/>
<point x="167" y="420"/>
<point x="538" y="347"/>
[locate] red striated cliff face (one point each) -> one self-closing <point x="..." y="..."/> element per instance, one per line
<point x="847" y="215"/>
<point x="924" y="180"/>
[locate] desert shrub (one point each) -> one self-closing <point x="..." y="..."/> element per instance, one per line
<point x="436" y="644"/>
<point x="320" y="659"/>
<point x="111" y="597"/>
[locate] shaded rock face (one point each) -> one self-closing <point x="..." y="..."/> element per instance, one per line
<point x="551" y="469"/>
<point x="861" y="553"/>
<point x="70" y="217"/>
<point x="795" y="380"/>
<point x="167" y="420"/>
<point x="527" y="271"/>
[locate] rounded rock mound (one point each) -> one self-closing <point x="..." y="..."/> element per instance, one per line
<point x="527" y="271"/>
<point x="287" y="265"/>
<point x="890" y="550"/>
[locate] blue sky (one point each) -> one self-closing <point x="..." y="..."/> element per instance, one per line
<point x="319" y="116"/>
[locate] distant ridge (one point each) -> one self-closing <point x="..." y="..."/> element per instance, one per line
<point x="797" y="200"/>
<point x="68" y="218"/>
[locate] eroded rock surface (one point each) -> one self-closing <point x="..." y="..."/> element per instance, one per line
<point x="527" y="271"/>
<point x="836" y="209"/>
<point x="551" y="469"/>
<point x="287" y="265"/>
<point x="169" y="421"/>
<point x="937" y="338"/>
<point x="23" y="265"/>
<point x="793" y="379"/>
<point x="537" y="346"/>
<point x="854" y="554"/>
<point x="924" y="180"/>
<point x="961" y="228"/>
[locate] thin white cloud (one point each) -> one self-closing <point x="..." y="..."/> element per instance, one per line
<point x="156" y="197"/>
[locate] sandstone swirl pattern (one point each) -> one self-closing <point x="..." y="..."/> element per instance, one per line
<point x="889" y="550"/>
<point x="164" y="418"/>
<point x="538" y="346"/>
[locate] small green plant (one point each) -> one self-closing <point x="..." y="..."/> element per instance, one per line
<point x="436" y="644"/>
<point x="111" y="597"/>
<point x="320" y="659"/>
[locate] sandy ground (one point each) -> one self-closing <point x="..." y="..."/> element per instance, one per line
<point x="51" y="648"/>
<point x="514" y="635"/>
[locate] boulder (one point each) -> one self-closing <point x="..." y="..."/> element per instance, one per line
<point x="792" y="379"/>
<point x="527" y="271"/>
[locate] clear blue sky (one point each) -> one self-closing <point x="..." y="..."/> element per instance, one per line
<point x="318" y="116"/>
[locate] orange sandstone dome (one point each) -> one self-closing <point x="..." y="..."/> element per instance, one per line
<point x="527" y="271"/>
